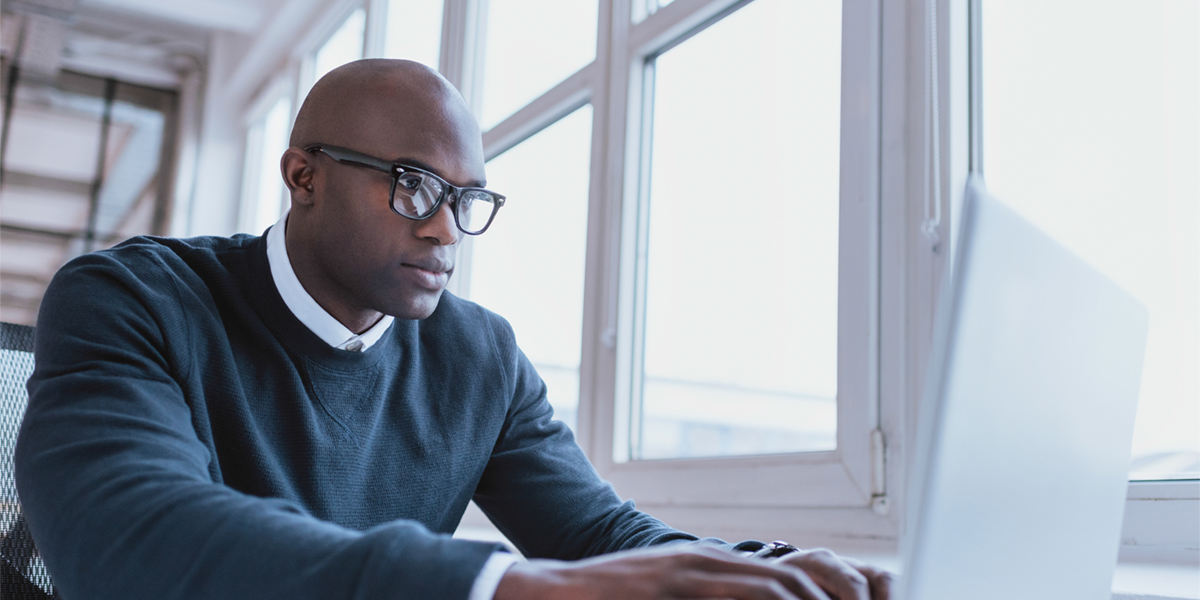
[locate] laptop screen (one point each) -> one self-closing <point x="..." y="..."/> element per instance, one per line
<point x="1023" y="442"/>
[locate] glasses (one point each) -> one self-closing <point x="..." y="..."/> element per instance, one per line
<point x="417" y="194"/>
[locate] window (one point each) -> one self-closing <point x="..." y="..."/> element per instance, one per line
<point x="263" y="192"/>
<point x="1091" y="129"/>
<point x="531" y="46"/>
<point x="740" y="248"/>
<point x="529" y="266"/>
<point x="414" y="30"/>
<point x="345" y="45"/>
<point x="682" y="148"/>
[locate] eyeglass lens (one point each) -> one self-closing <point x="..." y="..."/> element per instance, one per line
<point x="475" y="210"/>
<point x="416" y="195"/>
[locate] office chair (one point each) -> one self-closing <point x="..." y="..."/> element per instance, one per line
<point x="23" y="575"/>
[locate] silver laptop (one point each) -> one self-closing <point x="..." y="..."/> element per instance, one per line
<point x="1023" y="442"/>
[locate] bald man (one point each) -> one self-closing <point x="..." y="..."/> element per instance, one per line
<point x="306" y="414"/>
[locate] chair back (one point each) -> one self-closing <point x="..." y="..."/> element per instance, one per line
<point x="23" y="575"/>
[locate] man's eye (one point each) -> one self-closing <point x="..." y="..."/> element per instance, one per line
<point x="411" y="183"/>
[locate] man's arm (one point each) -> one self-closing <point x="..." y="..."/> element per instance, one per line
<point x="117" y="489"/>
<point x="541" y="491"/>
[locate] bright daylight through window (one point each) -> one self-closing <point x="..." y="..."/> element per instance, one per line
<point x="558" y="37"/>
<point x="266" y="141"/>
<point x="414" y="31"/>
<point x="1091" y="129"/>
<point x="549" y="174"/>
<point x="345" y="45"/>
<point x="740" y="238"/>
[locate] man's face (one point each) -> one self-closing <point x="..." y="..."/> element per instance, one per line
<point x="373" y="258"/>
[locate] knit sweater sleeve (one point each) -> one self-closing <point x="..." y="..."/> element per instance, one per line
<point x="116" y="485"/>
<point x="539" y="488"/>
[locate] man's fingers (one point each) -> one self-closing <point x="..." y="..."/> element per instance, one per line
<point x="881" y="581"/>
<point x="834" y="575"/>
<point x="718" y="563"/>
<point x="688" y="574"/>
<point x="698" y="584"/>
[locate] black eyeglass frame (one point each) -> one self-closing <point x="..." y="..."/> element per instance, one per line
<point x="358" y="159"/>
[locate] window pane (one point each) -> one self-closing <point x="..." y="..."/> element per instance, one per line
<point x="1091" y="129"/>
<point x="345" y="45"/>
<point x="269" y="200"/>
<point x="741" y="275"/>
<point x="531" y="46"/>
<point x="528" y="266"/>
<point x="414" y="30"/>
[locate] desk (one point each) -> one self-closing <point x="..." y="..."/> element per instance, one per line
<point x="1131" y="581"/>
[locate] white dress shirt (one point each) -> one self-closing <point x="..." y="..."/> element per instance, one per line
<point x="320" y="322"/>
<point x="305" y="308"/>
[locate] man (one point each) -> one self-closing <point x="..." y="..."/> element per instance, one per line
<point x="306" y="415"/>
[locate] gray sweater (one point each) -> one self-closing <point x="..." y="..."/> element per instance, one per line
<point x="188" y="437"/>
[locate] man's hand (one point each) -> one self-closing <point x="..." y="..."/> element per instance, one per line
<point x="675" y="572"/>
<point x="840" y="577"/>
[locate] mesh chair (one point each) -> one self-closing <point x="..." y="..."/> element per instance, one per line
<point x="23" y="575"/>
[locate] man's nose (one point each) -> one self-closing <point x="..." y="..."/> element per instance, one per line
<point x="439" y="227"/>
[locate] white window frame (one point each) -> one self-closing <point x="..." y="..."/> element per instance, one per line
<point x="253" y="122"/>
<point x="805" y="486"/>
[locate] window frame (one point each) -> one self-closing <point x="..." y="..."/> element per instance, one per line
<point x="254" y="121"/>
<point x="839" y="478"/>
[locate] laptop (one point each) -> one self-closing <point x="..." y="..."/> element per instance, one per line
<point x="1024" y="432"/>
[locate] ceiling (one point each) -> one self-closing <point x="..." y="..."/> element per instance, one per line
<point x="54" y="130"/>
<point x="148" y="40"/>
<point x="242" y="16"/>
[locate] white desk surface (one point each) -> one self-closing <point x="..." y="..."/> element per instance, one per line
<point x="1132" y="581"/>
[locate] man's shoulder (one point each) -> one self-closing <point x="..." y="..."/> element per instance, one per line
<point x="467" y="319"/>
<point x="452" y="310"/>
<point x="153" y="271"/>
<point x="167" y="248"/>
<point x="151" y="257"/>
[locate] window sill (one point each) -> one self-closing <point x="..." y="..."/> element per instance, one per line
<point x="1153" y="581"/>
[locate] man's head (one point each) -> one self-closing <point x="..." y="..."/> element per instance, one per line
<point x="352" y="253"/>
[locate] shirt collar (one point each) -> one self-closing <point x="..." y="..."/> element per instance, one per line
<point x="305" y="308"/>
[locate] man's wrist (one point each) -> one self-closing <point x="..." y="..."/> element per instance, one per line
<point x="524" y="581"/>
<point x="489" y="577"/>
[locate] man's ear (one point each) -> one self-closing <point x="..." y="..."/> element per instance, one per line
<point x="297" y="168"/>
